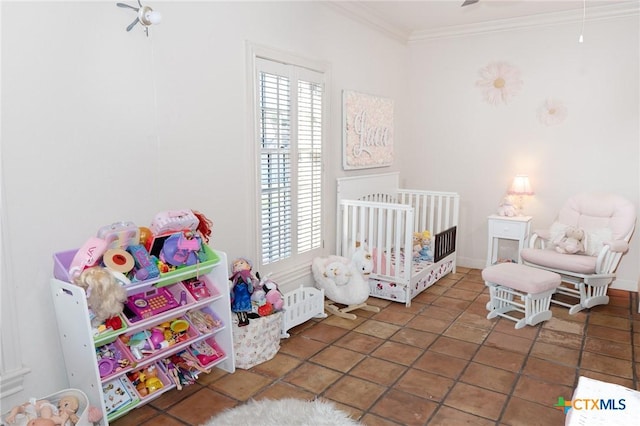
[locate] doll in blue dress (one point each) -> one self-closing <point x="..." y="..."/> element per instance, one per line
<point x="242" y="283"/>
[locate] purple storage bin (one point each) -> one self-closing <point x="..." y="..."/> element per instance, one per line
<point x="61" y="263"/>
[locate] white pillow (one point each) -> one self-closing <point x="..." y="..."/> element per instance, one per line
<point x="556" y="232"/>
<point x="596" y="239"/>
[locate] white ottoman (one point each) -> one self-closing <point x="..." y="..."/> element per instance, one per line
<point x="534" y="287"/>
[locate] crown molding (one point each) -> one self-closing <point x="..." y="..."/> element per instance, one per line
<point x="363" y="14"/>
<point x="623" y="10"/>
<point x="368" y="17"/>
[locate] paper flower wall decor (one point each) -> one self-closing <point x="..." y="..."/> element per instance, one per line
<point x="552" y="112"/>
<point x="499" y="82"/>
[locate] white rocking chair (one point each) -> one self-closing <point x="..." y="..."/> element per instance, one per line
<point x="608" y="222"/>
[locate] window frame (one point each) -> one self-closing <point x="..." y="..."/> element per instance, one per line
<point x="297" y="266"/>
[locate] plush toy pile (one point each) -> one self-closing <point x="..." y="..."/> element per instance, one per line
<point x="422" y="246"/>
<point x="250" y="295"/>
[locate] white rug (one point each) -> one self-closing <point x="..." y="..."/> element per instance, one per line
<point x="286" y="412"/>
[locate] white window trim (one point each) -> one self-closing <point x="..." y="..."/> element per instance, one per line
<point x="292" y="277"/>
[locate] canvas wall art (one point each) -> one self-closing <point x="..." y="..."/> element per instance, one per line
<point x="367" y="130"/>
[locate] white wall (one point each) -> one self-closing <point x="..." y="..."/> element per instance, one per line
<point x="460" y="143"/>
<point x="100" y="125"/>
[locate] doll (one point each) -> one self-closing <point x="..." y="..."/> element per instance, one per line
<point x="105" y="295"/>
<point x="44" y="409"/>
<point x="242" y="283"/>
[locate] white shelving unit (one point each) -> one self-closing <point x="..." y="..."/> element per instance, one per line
<point x="79" y="344"/>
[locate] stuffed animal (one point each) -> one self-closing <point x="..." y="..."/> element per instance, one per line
<point x="425" y="254"/>
<point x="417" y="246"/>
<point x="358" y="267"/>
<point x="274" y="296"/>
<point x="105" y="295"/>
<point x="338" y="272"/>
<point x="506" y="208"/>
<point x="573" y="241"/>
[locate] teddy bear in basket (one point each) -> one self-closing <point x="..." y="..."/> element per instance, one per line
<point x="572" y="242"/>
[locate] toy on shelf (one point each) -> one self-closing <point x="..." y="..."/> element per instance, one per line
<point x="144" y="266"/>
<point x="187" y="367"/>
<point x="204" y="226"/>
<point x="197" y="288"/>
<point x="105" y="296"/>
<point x="181" y="249"/>
<point x="242" y="285"/>
<point x="204" y="320"/>
<point x="172" y="371"/>
<point x="111" y="359"/>
<point x="206" y="353"/>
<point x="146" y="381"/>
<point x="152" y="302"/>
<point x="160" y="337"/>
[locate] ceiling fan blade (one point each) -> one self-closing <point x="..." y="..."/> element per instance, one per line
<point x="133" y="24"/>
<point x="468" y="2"/>
<point x="126" y="5"/>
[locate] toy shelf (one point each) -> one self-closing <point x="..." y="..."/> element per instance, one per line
<point x="79" y="343"/>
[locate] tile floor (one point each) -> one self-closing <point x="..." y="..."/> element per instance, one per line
<point x="438" y="362"/>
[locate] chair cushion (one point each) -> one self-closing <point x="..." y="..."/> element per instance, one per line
<point x="577" y="263"/>
<point x="521" y="277"/>
<point x="593" y="211"/>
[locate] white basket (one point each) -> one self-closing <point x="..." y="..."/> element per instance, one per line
<point x="82" y="413"/>
<point x="257" y="342"/>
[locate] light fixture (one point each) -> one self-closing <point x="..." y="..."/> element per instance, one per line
<point x="146" y="16"/>
<point x="584" y="15"/>
<point x="520" y="187"/>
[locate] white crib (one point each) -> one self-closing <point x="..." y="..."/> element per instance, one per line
<point x="374" y="210"/>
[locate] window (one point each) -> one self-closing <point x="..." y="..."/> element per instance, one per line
<point x="289" y="108"/>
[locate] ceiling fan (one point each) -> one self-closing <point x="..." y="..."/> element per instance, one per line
<point x="468" y="2"/>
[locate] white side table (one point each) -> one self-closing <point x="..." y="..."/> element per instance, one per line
<point x="515" y="228"/>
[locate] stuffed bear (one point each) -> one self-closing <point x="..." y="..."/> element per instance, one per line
<point x="573" y="241"/>
<point x="506" y="208"/>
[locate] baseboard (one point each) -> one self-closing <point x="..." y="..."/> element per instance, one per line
<point x="467" y="262"/>
<point x="628" y="285"/>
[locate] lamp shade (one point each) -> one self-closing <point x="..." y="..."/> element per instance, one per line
<point x="520" y="186"/>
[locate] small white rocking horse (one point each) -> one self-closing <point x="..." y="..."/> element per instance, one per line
<point x="345" y="281"/>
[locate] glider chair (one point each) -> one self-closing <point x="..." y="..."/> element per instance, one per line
<point x="607" y="221"/>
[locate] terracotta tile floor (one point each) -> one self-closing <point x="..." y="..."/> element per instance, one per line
<point x="438" y="362"/>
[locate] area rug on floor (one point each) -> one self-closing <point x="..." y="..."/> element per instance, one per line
<point x="286" y="412"/>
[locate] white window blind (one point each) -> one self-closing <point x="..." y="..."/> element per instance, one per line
<point x="289" y="108"/>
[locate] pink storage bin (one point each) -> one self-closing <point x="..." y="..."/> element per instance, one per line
<point x="205" y="320"/>
<point x="149" y="387"/>
<point x="142" y="353"/>
<point x="208" y="352"/>
<point x="121" y="362"/>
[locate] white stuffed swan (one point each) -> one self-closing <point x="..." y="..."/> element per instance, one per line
<point x="344" y="281"/>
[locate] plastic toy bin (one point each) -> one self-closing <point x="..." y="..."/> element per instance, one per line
<point x="62" y="262"/>
<point x="147" y="387"/>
